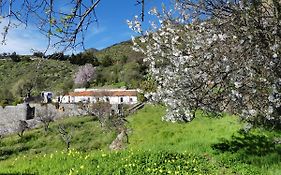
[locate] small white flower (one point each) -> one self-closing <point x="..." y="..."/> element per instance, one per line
<point x="222" y="37"/>
<point x="252" y="112"/>
<point x="271" y="98"/>
<point x="237" y="84"/>
<point x="270" y="109"/>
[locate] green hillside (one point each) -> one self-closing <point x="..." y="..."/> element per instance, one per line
<point x="203" y="146"/>
<point x="119" y="51"/>
<point x="50" y="75"/>
<point x="120" y="66"/>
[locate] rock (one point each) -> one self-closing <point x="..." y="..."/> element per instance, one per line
<point x="119" y="142"/>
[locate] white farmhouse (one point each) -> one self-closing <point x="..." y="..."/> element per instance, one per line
<point x="113" y="96"/>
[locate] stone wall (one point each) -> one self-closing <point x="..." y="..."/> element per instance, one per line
<point x="64" y="110"/>
<point x="11" y="115"/>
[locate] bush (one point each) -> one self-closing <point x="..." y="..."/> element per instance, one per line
<point x="141" y="97"/>
<point x="38" y="54"/>
<point x="15" y="57"/>
<point x="17" y="101"/>
<point x="106" y="61"/>
<point x="6" y="97"/>
<point x="4" y="103"/>
<point x="26" y="59"/>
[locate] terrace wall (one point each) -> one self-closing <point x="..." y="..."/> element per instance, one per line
<point x="11" y="115"/>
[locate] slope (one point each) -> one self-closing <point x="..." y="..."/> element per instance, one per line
<point x="154" y="147"/>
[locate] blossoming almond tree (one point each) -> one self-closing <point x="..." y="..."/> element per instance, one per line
<point x="84" y="75"/>
<point x="218" y="56"/>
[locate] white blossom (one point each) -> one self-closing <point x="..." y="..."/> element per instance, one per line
<point x="218" y="65"/>
<point x="84" y="74"/>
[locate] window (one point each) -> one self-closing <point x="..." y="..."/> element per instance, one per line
<point x="107" y="99"/>
<point x="131" y="99"/>
<point x="121" y="99"/>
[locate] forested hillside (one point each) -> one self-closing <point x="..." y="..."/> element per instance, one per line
<point x="120" y="65"/>
<point x="119" y="51"/>
<point x="18" y="77"/>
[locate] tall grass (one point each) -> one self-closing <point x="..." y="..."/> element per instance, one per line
<point x="149" y="132"/>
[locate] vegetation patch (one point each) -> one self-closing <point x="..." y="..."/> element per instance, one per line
<point x="127" y="162"/>
<point x="204" y="146"/>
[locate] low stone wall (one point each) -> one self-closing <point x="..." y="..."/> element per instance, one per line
<point x="11" y="115"/>
<point x="64" y="110"/>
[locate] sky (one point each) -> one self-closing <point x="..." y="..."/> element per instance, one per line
<point x="111" y="28"/>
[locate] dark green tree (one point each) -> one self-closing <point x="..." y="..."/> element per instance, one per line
<point x="15" y="57"/>
<point x="106" y="61"/>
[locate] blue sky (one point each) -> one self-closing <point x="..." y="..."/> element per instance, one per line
<point x="110" y="29"/>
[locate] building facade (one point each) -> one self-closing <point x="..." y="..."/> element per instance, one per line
<point x="112" y="96"/>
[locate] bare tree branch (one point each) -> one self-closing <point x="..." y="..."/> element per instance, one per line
<point x="64" y="23"/>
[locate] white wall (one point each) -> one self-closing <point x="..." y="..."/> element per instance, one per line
<point x="123" y="99"/>
<point x="91" y="99"/>
<point x="66" y="99"/>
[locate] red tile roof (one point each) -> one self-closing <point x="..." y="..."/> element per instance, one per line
<point x="104" y="93"/>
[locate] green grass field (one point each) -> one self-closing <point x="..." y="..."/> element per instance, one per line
<point x="203" y="146"/>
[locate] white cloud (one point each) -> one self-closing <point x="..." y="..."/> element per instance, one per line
<point x="96" y="30"/>
<point x="22" y="40"/>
